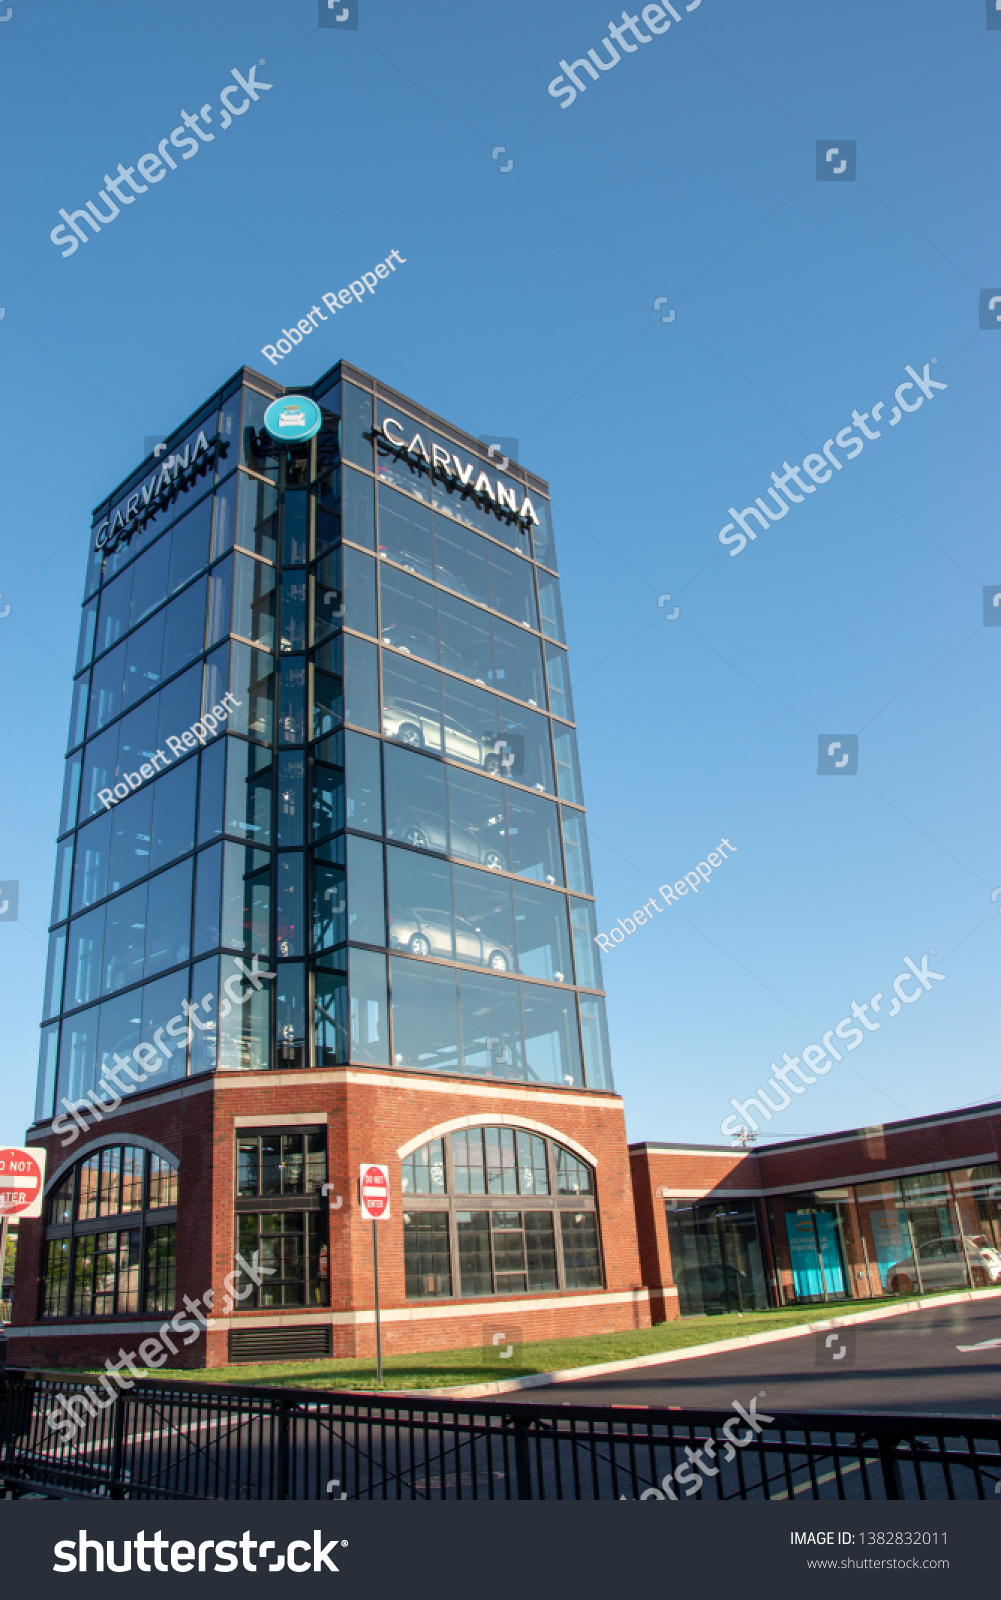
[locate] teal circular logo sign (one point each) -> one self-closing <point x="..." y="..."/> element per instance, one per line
<point x="294" y="418"/>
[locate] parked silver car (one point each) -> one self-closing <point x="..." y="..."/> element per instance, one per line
<point x="941" y="1264"/>
<point x="427" y="933"/>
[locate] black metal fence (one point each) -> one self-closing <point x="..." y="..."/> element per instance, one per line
<point x="192" y="1441"/>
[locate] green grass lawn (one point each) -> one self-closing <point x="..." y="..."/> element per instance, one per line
<point x="434" y="1369"/>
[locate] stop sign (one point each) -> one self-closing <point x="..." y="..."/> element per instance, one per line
<point x="22" y="1174"/>
<point x="374" y="1190"/>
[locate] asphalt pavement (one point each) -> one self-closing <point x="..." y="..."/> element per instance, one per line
<point x="908" y="1363"/>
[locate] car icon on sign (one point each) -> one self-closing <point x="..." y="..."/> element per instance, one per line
<point x="292" y="417"/>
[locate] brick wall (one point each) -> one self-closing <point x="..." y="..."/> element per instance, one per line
<point x="369" y="1115"/>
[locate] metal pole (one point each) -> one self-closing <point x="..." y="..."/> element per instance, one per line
<point x="820" y="1256"/>
<point x="378" y="1325"/>
<point x="914" y="1252"/>
<point x="962" y="1238"/>
<point x="865" y="1252"/>
<point x="3" y="1250"/>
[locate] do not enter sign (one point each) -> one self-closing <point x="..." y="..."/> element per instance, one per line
<point x="374" y="1190"/>
<point x="22" y="1175"/>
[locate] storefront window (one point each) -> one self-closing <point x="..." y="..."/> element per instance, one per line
<point x="716" y="1257"/>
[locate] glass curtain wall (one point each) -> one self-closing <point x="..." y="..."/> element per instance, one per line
<point x="322" y="729"/>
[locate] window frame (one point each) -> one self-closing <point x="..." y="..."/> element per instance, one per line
<point x="451" y="1203"/>
<point x="307" y="1203"/>
<point x="81" y="1232"/>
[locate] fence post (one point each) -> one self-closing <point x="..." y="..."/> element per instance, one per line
<point x="118" y="1450"/>
<point x="522" y="1460"/>
<point x="284" y="1449"/>
<point x="890" y="1465"/>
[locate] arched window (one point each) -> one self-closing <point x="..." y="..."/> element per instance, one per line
<point x="110" y="1235"/>
<point x="498" y="1211"/>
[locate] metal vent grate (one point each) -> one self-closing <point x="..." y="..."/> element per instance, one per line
<point x="309" y="1341"/>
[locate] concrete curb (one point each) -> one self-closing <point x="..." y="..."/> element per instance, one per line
<point x="536" y="1380"/>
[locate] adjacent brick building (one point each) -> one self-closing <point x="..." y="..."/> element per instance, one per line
<point x="857" y="1214"/>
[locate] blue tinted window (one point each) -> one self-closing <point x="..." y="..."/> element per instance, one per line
<point x="466" y="643"/>
<point x="116" y="604"/>
<point x="88" y="628"/>
<point x="369" y="1008"/>
<point x="149" y="580"/>
<point x="594" y="1037"/>
<point x="425" y="1016"/>
<point x="356" y="422"/>
<point x="411" y="703"/>
<point x="257" y="516"/>
<point x="461" y="560"/>
<point x="168" y="918"/>
<point x="477" y="820"/>
<point x="83" y="959"/>
<point x="552" y="1039"/>
<point x="420" y="903"/>
<point x="208" y="889"/>
<point x="77" y="1053"/>
<point x="143" y="659"/>
<point x="543" y="934"/>
<point x="518" y="655"/>
<point x="220" y="599"/>
<point x="71" y="791"/>
<point x="90" y="872"/>
<point x="124" y="940"/>
<point x="415" y="799"/>
<point x="184" y="628"/>
<point x="558" y="678"/>
<point x="100" y="760"/>
<point x="484" y="924"/>
<point x="295" y="528"/>
<point x="131" y="825"/>
<point x="361" y="683"/>
<point x="106" y="689"/>
<point x="290" y="906"/>
<point x="534" y="835"/>
<point x="358" y="508"/>
<point x="512" y="586"/>
<point x="366" y="900"/>
<point x="408" y="614"/>
<point x="173" y="814"/>
<point x="254" y="601"/>
<point x="405" y="532"/>
<point x="359" y="591"/>
<point x="189" y="545"/>
<point x="77" y="717"/>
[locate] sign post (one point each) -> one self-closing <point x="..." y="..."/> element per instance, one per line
<point x="373" y="1190"/>
<point x="22" y="1179"/>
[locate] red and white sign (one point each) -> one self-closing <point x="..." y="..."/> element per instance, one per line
<point x="374" y="1190"/>
<point x="22" y="1179"/>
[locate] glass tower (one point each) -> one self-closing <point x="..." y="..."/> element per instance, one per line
<point x="322" y="802"/>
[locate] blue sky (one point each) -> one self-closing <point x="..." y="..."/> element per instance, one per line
<point x="526" y="308"/>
